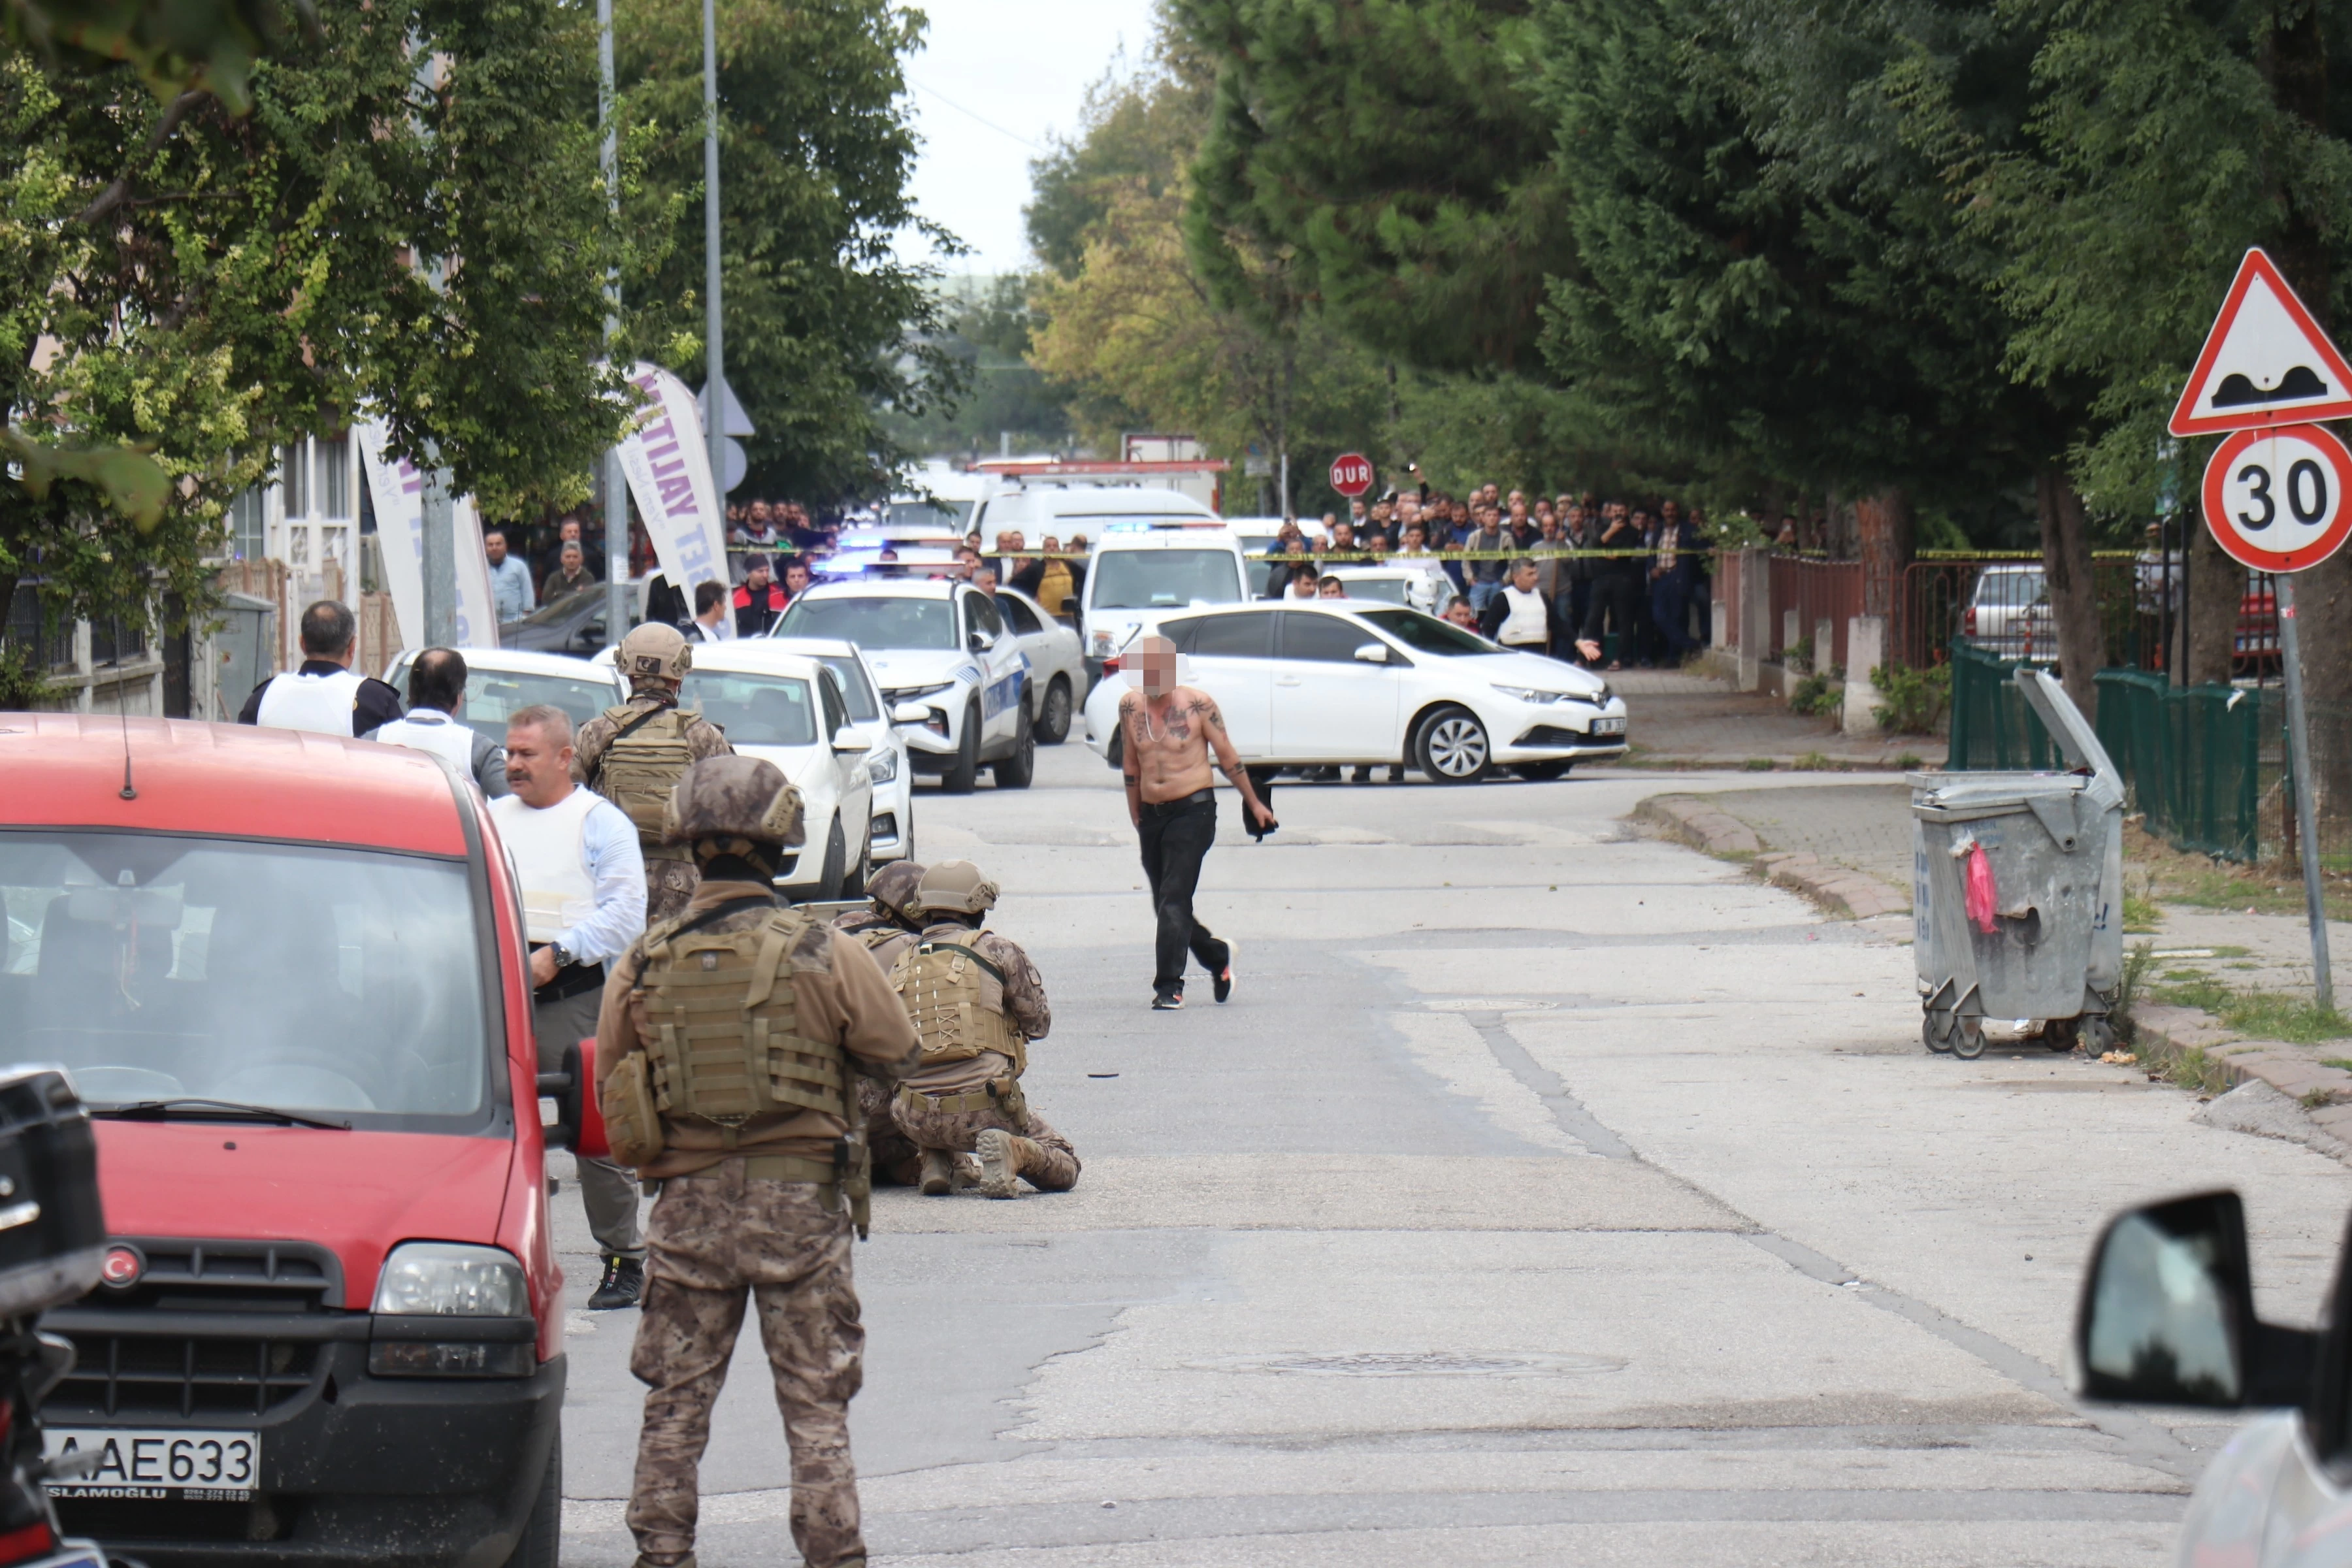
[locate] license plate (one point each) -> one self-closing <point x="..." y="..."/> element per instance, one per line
<point x="173" y="1464"/>
<point x="1609" y="726"/>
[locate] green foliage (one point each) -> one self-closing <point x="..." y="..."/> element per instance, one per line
<point x="1816" y="698"/>
<point x="988" y="331"/>
<point x="177" y="46"/>
<point x="2258" y="1015"/>
<point x="23" y="683"/>
<point x="828" y="335"/>
<point x="1916" y="699"/>
<point x="2129" y="987"/>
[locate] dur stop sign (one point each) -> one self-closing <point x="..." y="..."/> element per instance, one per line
<point x="1351" y="474"/>
<point x="2276" y="498"/>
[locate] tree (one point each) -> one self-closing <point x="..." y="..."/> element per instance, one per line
<point x="208" y="285"/>
<point x="989" y="331"/>
<point x="828" y="334"/>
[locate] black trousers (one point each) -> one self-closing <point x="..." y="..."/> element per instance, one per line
<point x="1615" y="597"/>
<point x="1176" y="838"/>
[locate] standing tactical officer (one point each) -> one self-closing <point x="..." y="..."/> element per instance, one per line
<point x="887" y="927"/>
<point x="635" y="755"/>
<point x="763" y="1175"/>
<point x="977" y="1002"/>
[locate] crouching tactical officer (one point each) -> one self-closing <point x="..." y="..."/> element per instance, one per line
<point x="977" y="1002"/>
<point x="887" y="927"/>
<point x="762" y="1173"/>
<point x="635" y="755"/>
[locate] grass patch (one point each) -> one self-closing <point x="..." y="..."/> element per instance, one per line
<point x="2172" y="876"/>
<point x="2341" y="1064"/>
<point x="1814" y="763"/>
<point x="1757" y="764"/>
<point x="2140" y="915"/>
<point x="1910" y="762"/>
<point x="2136" y="963"/>
<point x="2193" y="1069"/>
<point x="2262" y="1014"/>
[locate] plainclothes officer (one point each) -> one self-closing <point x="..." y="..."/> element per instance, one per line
<point x="584" y="902"/>
<point x="326" y="696"/>
<point x="763" y="1175"/>
<point x="977" y="1002"/>
<point x="887" y="927"/>
<point x="635" y="755"/>
<point x="436" y="693"/>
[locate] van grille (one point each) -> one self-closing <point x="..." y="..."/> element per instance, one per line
<point x="138" y="1375"/>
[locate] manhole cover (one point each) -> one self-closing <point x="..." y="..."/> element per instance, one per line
<point x="1417" y="1364"/>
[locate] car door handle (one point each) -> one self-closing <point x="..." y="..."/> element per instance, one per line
<point x="1289" y="680"/>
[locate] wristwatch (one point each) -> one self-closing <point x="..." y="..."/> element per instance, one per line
<point x="563" y="959"/>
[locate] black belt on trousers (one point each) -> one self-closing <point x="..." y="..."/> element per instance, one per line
<point x="1198" y="798"/>
<point x="570" y="981"/>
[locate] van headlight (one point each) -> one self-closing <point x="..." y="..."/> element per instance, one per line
<point x="446" y="1280"/>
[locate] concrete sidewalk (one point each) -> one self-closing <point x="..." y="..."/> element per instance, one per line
<point x="1684" y="718"/>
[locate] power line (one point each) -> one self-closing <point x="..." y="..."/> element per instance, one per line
<point x="930" y="91"/>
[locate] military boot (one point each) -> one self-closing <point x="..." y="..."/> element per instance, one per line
<point x="1004" y="1157"/>
<point x="938" y="1173"/>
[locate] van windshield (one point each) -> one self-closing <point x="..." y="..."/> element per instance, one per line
<point x="331" y="983"/>
<point x="879" y="621"/>
<point x="1162" y="579"/>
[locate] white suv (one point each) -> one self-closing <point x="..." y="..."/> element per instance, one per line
<point x="953" y="677"/>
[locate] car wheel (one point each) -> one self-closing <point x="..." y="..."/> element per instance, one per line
<point x="1015" y="771"/>
<point x="963" y="774"/>
<point x="836" y="853"/>
<point x="1451" y="747"/>
<point x="1053" y="723"/>
<point x="1545" y="771"/>
<point x="853" y="883"/>
<point x="542" y="1532"/>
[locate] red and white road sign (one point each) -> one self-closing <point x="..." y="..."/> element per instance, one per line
<point x="2265" y="362"/>
<point x="2276" y="498"/>
<point x="1351" y="474"/>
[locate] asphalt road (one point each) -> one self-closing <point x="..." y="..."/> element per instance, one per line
<point x="1546" y="1193"/>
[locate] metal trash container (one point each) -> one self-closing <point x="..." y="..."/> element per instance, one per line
<point x="2054" y="845"/>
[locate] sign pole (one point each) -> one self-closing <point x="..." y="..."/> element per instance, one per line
<point x="2298" y="729"/>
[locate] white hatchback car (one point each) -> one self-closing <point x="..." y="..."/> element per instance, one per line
<point x="1340" y="681"/>
<point x="502" y="681"/>
<point x="886" y="764"/>
<point x="789" y="708"/>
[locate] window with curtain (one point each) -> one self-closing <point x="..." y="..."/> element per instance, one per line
<point x="248" y="525"/>
<point x="332" y="472"/>
<point x="294" y="473"/>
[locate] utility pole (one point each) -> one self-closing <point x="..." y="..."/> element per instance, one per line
<point x="616" y="488"/>
<point x="440" y="524"/>
<point x="714" y="419"/>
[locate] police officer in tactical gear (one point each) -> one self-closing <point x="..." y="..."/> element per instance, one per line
<point x="886" y="925"/>
<point x="763" y="1175"/>
<point x="977" y="1002"/>
<point x="635" y="755"/>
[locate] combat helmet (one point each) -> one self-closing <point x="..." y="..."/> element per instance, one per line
<point x="734" y="806"/>
<point x="956" y="887"/>
<point x="892" y="888"/>
<point x="656" y="652"/>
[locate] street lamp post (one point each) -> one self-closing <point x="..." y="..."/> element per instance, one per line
<point x="714" y="418"/>
<point x="616" y="494"/>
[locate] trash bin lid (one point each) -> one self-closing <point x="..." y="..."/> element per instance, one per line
<point x="1992" y="794"/>
<point x="2072" y="732"/>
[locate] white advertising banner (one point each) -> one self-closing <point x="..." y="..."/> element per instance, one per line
<point x="397" y="490"/>
<point x="669" y="474"/>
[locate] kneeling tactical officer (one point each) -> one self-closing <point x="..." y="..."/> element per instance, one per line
<point x="763" y="1173"/>
<point x="888" y="926"/>
<point x="977" y="1002"/>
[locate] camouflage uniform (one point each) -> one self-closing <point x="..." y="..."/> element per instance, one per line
<point x="727" y="1222"/>
<point x="884" y="929"/>
<point x="670" y="875"/>
<point x="970" y="1110"/>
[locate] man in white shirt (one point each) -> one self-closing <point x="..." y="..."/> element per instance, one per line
<point x="583" y="898"/>
<point x="326" y="696"/>
<point x="1519" y="617"/>
<point x="510" y="585"/>
<point x="436" y="695"/>
<point x="714" y="620"/>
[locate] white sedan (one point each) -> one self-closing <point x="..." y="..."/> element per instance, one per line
<point x="1057" y="666"/>
<point x="789" y="708"/>
<point x="502" y="681"/>
<point x="887" y="764"/>
<point x="1347" y="681"/>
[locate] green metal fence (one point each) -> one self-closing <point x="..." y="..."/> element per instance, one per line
<point x="1992" y="726"/>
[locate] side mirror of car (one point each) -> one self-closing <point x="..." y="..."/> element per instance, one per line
<point x="981" y="639"/>
<point x="847" y="740"/>
<point x="910" y="713"/>
<point x="1373" y="653"/>
<point x="2167" y="1314"/>
<point x="578" y="1121"/>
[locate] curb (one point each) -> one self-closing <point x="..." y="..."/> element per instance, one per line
<point x="1840" y="889"/>
<point x="2171" y="1036"/>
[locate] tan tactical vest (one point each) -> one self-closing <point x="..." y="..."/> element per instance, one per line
<point x="722" y="1047"/>
<point x="886" y="943"/>
<point x="637" y="770"/>
<point x="956" y="999"/>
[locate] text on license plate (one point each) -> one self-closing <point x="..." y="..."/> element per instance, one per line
<point x="174" y="1464"/>
<point x="1609" y="726"/>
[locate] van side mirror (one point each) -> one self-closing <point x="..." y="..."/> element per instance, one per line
<point x="579" y="1123"/>
<point x="847" y="740"/>
<point x="2167" y="1314"/>
<point x="1373" y="653"/>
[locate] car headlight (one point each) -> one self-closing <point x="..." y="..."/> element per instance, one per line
<point x="882" y="766"/>
<point x="446" y="1280"/>
<point x="916" y="693"/>
<point x="1530" y="694"/>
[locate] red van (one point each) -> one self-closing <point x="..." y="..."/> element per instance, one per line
<point x="286" y="973"/>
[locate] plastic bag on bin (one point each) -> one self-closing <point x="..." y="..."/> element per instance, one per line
<point x="1980" y="899"/>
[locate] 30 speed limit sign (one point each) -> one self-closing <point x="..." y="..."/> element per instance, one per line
<point x="2280" y="500"/>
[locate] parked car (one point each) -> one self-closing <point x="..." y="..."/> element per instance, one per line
<point x="955" y="681"/>
<point x="1258" y="536"/>
<point x="2009" y="612"/>
<point x="502" y="681"/>
<point x="887" y="764"/>
<point x="574" y="624"/>
<point x="1057" y="671"/>
<point x="1143" y="572"/>
<point x="787" y="707"/>
<point x="1425" y="588"/>
<point x="286" y="972"/>
<point x="2166" y="1316"/>
<point x="1335" y="681"/>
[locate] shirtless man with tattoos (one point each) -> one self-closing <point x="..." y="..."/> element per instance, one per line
<point x="1166" y="732"/>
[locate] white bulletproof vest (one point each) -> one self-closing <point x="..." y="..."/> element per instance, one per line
<point x="323" y="704"/>
<point x="428" y="730"/>
<point x="1525" y="623"/>
<point x="550" y="857"/>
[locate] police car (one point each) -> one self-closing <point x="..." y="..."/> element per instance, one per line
<point x="957" y="680"/>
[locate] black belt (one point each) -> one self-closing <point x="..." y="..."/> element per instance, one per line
<point x="1198" y="798"/>
<point x="570" y="981"/>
